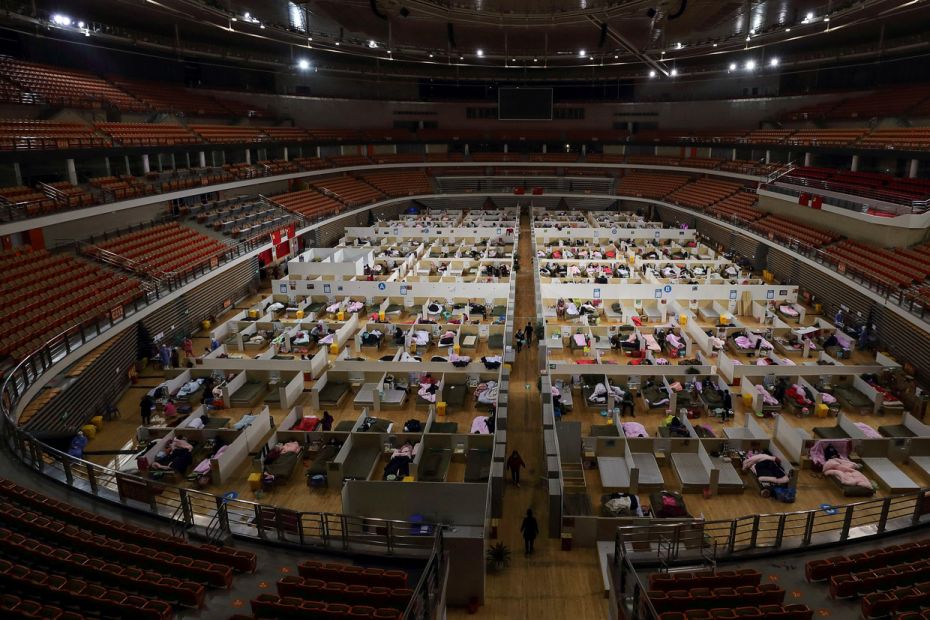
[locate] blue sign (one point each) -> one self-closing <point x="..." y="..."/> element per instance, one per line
<point x="283" y="287"/>
<point x="613" y="231"/>
<point x="668" y="288"/>
<point x="381" y="286"/>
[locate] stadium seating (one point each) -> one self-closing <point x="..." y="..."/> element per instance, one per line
<point x="882" y="264"/>
<point x="287" y="134"/>
<point x="121" y="188"/>
<point x="650" y="184"/>
<point x="869" y="184"/>
<point x="339" y="161"/>
<point x="28" y="135"/>
<point x="786" y="230"/>
<point x="703" y="193"/>
<point x="782" y="612"/>
<point x="228" y="134"/>
<point x="46" y="293"/>
<point x="148" y="134"/>
<point x="158" y="251"/>
<point x="767" y="136"/>
<point x="61" y="87"/>
<point x="826" y="137"/>
<point x="686" y="580"/>
<point x="309" y="203"/>
<point x="909" y="138"/>
<point x="400" y="182"/>
<point x="348" y="190"/>
<point x="889" y="102"/>
<point x="738" y="207"/>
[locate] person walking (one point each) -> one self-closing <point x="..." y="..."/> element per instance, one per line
<point x="519" y="339"/>
<point x="164" y="353"/>
<point x="145" y="409"/>
<point x="530" y="529"/>
<point x="188" y="346"/>
<point x="514" y="463"/>
<point x="529" y="334"/>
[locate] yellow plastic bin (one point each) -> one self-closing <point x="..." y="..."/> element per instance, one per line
<point x="682" y="319"/>
<point x="334" y="348"/>
<point x="300" y="314"/>
<point x="89" y="430"/>
<point x="381" y="316"/>
<point x="255" y="481"/>
<point x="441" y="408"/>
<point x="747" y="400"/>
<point x="822" y="410"/>
<point x="456" y="348"/>
<point x="205" y="325"/>
<point x="97" y="421"/>
<point x="340" y="316"/>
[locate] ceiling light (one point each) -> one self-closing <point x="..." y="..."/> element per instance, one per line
<point x="732" y="66"/>
<point x="826" y="19"/>
<point x="535" y="60"/>
<point x="750" y="65"/>
<point x="809" y="17"/>
<point x="430" y="55"/>
<point x="303" y="64"/>
<point x="678" y="45"/>
<point x="309" y="39"/>
<point x="373" y="44"/>
<point x="480" y="52"/>
<point x="787" y="29"/>
<point x="673" y="72"/>
<point x="513" y="60"/>
<point x="235" y="19"/>
<point x="461" y="58"/>
<point x="337" y="43"/>
<point x="61" y="20"/>
<point x="582" y="53"/>
<point x="748" y="38"/>
<point x="262" y="26"/>
<point x="247" y="15"/>
<point x="774" y="62"/>
<point x="652" y="73"/>
<point x="80" y="24"/>
<point x="715" y="45"/>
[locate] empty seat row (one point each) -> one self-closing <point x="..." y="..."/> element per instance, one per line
<point x="863" y="582"/>
<point x="821" y="569"/>
<point x="352" y="574"/>
<point x="703" y="193"/>
<point x="650" y="184"/>
<point x="273" y="606"/>
<point x="707" y="598"/>
<point x="767" y="612"/>
<point x="338" y="592"/>
<point x="704" y="579"/>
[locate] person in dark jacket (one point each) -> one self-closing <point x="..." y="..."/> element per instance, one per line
<point x="514" y="463"/>
<point x="145" y="409"/>
<point x="530" y="529"/>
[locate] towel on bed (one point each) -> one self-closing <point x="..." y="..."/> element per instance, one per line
<point x="847" y="473"/>
<point x="276" y="307"/>
<point x="334" y="307"/>
<point x="869" y="432"/>
<point x="743" y="342"/>
<point x="673" y="340"/>
<point x="355" y="306"/>
<point x="421" y="338"/>
<point x="428" y="392"/>
<point x="788" y="310"/>
<point x="651" y="342"/>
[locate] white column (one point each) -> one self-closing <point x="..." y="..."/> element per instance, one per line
<point x="733" y="155"/>
<point x="161" y="165"/>
<point x="17" y="173"/>
<point x="145" y="164"/>
<point x="202" y="159"/>
<point x="505" y="149"/>
<point x="466" y="149"/>
<point x="584" y="150"/>
<point x="174" y="163"/>
<point x="544" y="148"/>
<point x="768" y="156"/>
<point x="854" y="166"/>
<point x="285" y="154"/>
<point x="187" y="159"/>
<point x="807" y="158"/>
<point x="106" y="166"/>
<point x="912" y="169"/>
<point x="655" y="150"/>
<point x="248" y="156"/>
<point x="126" y="164"/>
<point x="72" y="171"/>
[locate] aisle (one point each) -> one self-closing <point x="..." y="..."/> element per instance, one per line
<point x="551" y="583"/>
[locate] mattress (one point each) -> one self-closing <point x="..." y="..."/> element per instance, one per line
<point x="345" y="426"/>
<point x="443" y="427"/>
<point x="470" y="341"/>
<point x="315" y="307"/>
<point x="319" y="465"/>
<point x="851" y="397"/>
<point x="729" y="478"/>
<point x="922" y="463"/>
<point x="604" y="430"/>
<point x="830" y="432"/>
<point x="454" y="395"/>
<point x="649" y="472"/>
<point x="434" y="465"/>
<point x="614" y="472"/>
<point x="248" y="394"/>
<point x="359" y="463"/>
<point x="896" y="430"/>
<point x="333" y="392"/>
<point x="889" y="475"/>
<point x="496" y="341"/>
<point x="284" y="465"/>
<point x="477" y="465"/>
<point x="690" y="470"/>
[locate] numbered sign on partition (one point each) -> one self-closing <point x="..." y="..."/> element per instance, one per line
<point x="381" y="286"/>
<point x="403" y="289"/>
<point x="597" y="293"/>
<point x="283" y="288"/>
<point x="770" y="294"/>
<point x="667" y="288"/>
<point x="658" y="232"/>
<point x="327" y="289"/>
<point x="732" y="294"/>
<point x="658" y="293"/>
<point x="613" y="231"/>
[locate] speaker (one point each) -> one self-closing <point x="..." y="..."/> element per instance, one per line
<point x="450" y="32"/>
<point x="603" y="38"/>
<point x="404" y="11"/>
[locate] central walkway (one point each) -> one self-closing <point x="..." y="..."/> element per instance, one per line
<point x="551" y="583"/>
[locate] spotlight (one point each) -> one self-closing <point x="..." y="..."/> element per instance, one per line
<point x="616" y="56"/>
<point x="826" y="19"/>
<point x="535" y="60"/>
<point x="732" y="66"/>
<point x="262" y="26"/>
<point x="673" y="72"/>
<point x="480" y="52"/>
<point x="81" y="24"/>
<point x="582" y="53"/>
<point x="678" y="45"/>
<point x="303" y="64"/>
<point x="774" y="62"/>
<point x="373" y="44"/>
<point x="430" y="55"/>
<point x="652" y="73"/>
<point x="715" y="45"/>
<point x="337" y="43"/>
<point x="513" y="60"/>
<point x="750" y="65"/>
<point x="61" y="20"/>
<point x="748" y="38"/>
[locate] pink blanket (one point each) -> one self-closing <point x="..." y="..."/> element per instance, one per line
<point x="816" y="453"/>
<point x="579" y="340"/>
<point x="425" y="393"/>
<point x="750" y="463"/>
<point x="480" y="425"/>
<point x="634" y="429"/>
<point x="651" y="343"/>
<point x="673" y="340"/>
<point x="788" y="310"/>
<point x="767" y="398"/>
<point x="869" y="432"/>
<point x="847" y="473"/>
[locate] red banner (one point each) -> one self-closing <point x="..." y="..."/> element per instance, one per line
<point x="116" y="313"/>
<point x="284" y="234"/>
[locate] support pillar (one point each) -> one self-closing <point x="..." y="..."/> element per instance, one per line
<point x="17" y="173"/>
<point x="912" y="169"/>
<point x="145" y="165"/>
<point x="72" y="171"/>
<point x="808" y="157"/>
<point x="584" y="150"/>
<point x="733" y="154"/>
<point x="854" y="166"/>
<point x="202" y="159"/>
<point x="187" y="159"/>
<point x="127" y="166"/>
<point x="248" y="156"/>
<point x="655" y="150"/>
<point x="285" y="154"/>
<point x="768" y="156"/>
<point x="544" y="149"/>
<point x="505" y="149"/>
<point x="106" y="166"/>
<point x="174" y="162"/>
